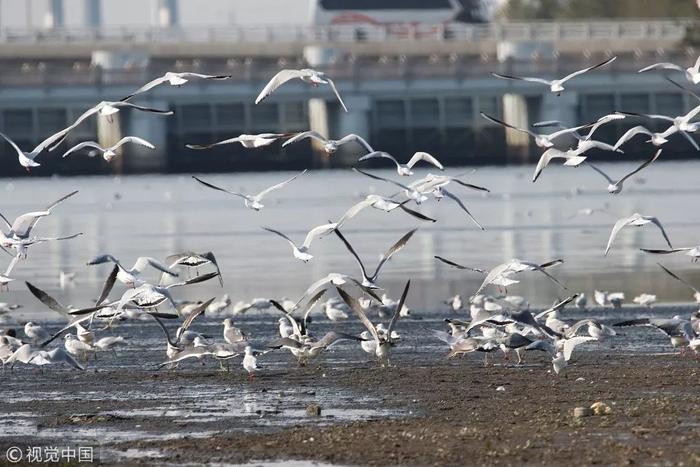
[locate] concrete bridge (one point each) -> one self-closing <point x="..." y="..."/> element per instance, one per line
<point x="407" y="87"/>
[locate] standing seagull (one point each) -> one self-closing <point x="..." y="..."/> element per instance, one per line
<point x="174" y="79"/>
<point x="302" y="252"/>
<point x="615" y="186"/>
<point x="247" y="141"/>
<point x="635" y="220"/>
<point x="384" y="341"/>
<point x="252" y="202"/>
<point x="307" y="75"/>
<point x="404" y="169"/>
<point x="109" y="153"/>
<point x="692" y="73"/>
<point x="369" y="281"/>
<point x="555" y="86"/>
<point x="330" y="146"/>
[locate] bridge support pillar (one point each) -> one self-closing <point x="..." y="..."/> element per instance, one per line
<point x="355" y="120"/>
<point x="154" y="129"/>
<point x="515" y="113"/>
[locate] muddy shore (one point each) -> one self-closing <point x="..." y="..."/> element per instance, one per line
<point x="438" y="412"/>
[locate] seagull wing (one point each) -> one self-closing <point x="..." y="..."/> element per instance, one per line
<point x="415" y="214"/>
<point x="641" y="167"/>
<point x="134" y="140"/>
<point x="459" y="266"/>
<point x="662" y="66"/>
<point x="395" y="248"/>
<point x="619" y="225"/>
<point x="281" y="235"/>
<point x="47" y="299"/>
<point x="508" y="125"/>
<point x="144" y="261"/>
<point x="690" y="140"/>
<point x="424" y="156"/>
<point x="522" y="78"/>
<point x="319" y="232"/>
<point x="13" y="144"/>
<point x="355" y="306"/>
<point x="353" y="210"/>
<point x="292" y="320"/>
<point x="337" y="94"/>
<point x="469" y="185"/>
<point x="461" y="205"/>
<point x="399" y="307"/>
<point x="141" y="108"/>
<point x="664" y="252"/>
<point x="86" y="144"/>
<point x="199" y="310"/>
<point x="306" y="310"/>
<point x="214" y="187"/>
<point x="570" y="344"/>
<point x="352" y="137"/>
<point x="147" y="87"/>
<point x="631" y="133"/>
<point x="108" y="285"/>
<point x="376" y="154"/>
<point x="610" y="180"/>
<point x="585" y="70"/>
<point x="352" y="252"/>
<point x="103" y="259"/>
<point x="279" y="79"/>
<point x="237" y="139"/>
<point x="657" y="223"/>
<point x="376" y="177"/>
<point x="305" y="134"/>
<point x="262" y="194"/>
<point x="189" y="74"/>
<point x="678" y="278"/>
<point x="545" y="158"/>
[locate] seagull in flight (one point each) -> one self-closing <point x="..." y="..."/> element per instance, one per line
<point x="370" y="281"/>
<point x="635" y="220"/>
<point x="574" y="157"/>
<point x="330" y="146"/>
<point x="692" y="251"/>
<point x="555" y="86"/>
<point x="682" y="123"/>
<point x="692" y="74"/>
<point x="404" y="169"/>
<point x="410" y="191"/>
<point x="132" y="276"/>
<point x="110" y="152"/>
<point x="23" y="225"/>
<point x="615" y="186"/>
<point x="500" y="275"/>
<point x="541" y="140"/>
<point x="174" y="79"/>
<point x="247" y="141"/>
<point x="253" y="202"/>
<point x="190" y="259"/>
<point x="383" y="204"/>
<point x="307" y="75"/>
<point x="26" y="159"/>
<point x="657" y="139"/>
<point x="301" y="252"/>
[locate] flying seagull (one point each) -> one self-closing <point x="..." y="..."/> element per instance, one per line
<point x="692" y="74"/>
<point x="247" y="141"/>
<point x="330" y="146"/>
<point x="109" y="153"/>
<point x="555" y="86"/>
<point x="251" y="201"/>
<point x="174" y="79"/>
<point x="635" y="220"/>
<point x="302" y="252"/>
<point x="615" y="186"/>
<point x="404" y="169"/>
<point x="541" y="140"/>
<point x="574" y="157"/>
<point x="307" y="75"/>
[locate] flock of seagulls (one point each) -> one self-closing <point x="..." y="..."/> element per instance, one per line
<point x="493" y="319"/>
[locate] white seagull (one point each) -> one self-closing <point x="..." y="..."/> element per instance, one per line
<point x="657" y="139"/>
<point x="383" y="204"/>
<point x="247" y="141"/>
<point x="301" y="252"/>
<point x="26" y="159"/>
<point x="574" y="157"/>
<point x="110" y="152"/>
<point x="251" y="201"/>
<point x="615" y="186"/>
<point x="174" y="79"/>
<point x="635" y="220"/>
<point x="132" y="276"/>
<point x="555" y="86"/>
<point x="307" y="75"/>
<point x="541" y="140"/>
<point x="692" y="73"/>
<point x="330" y="146"/>
<point x="404" y="169"/>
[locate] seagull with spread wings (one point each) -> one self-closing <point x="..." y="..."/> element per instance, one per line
<point x="615" y="186"/>
<point x="301" y="252"/>
<point x="307" y="75"/>
<point x="110" y="152"/>
<point x="174" y="79"/>
<point x="247" y="141"/>
<point x="404" y="169"/>
<point x="692" y="74"/>
<point x="330" y="146"/>
<point x="635" y="220"/>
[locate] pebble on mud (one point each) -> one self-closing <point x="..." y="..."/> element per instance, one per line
<point x="313" y="410"/>
<point x="601" y="408"/>
<point x="580" y="412"/>
<point x="501" y="389"/>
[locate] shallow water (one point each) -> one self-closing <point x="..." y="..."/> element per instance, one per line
<point x="159" y="215"/>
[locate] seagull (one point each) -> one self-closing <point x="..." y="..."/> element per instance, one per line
<point x="645" y="299"/>
<point x="635" y="220"/>
<point x="541" y="140"/>
<point x="250" y="363"/>
<point x="330" y="146"/>
<point x="692" y="74"/>
<point x="191" y="259"/>
<point x="455" y="303"/>
<point x="109" y="153"/>
<point x="385" y="341"/>
<point x="306" y="348"/>
<point x="334" y="309"/>
<point x="174" y="79"/>
<point x="574" y="157"/>
<point x="615" y="186"/>
<point x="693" y="252"/>
<point x="657" y="139"/>
<point x="299" y="325"/>
<point x="555" y="86"/>
<point x="682" y="123"/>
<point x="410" y="192"/>
<point x="108" y="109"/>
<point x="307" y="75"/>
<point x="404" y="169"/>
<point x="22" y="226"/>
<point x="383" y="204"/>
<point x="500" y="275"/>
<point x="678" y="329"/>
<point x="596" y="329"/>
<point x="132" y="277"/>
<point x="108" y="343"/>
<point x="251" y="201"/>
<point x="75" y="347"/>
<point x="148" y="296"/>
<point x="25" y="354"/>
<point x="232" y="335"/>
<point x="302" y="252"/>
<point x="605" y="298"/>
<point x="370" y="281"/>
<point x="35" y="332"/>
<point x="26" y="159"/>
<point x="247" y="141"/>
<point x="594" y="126"/>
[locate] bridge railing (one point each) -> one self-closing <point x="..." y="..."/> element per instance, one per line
<point x="666" y="30"/>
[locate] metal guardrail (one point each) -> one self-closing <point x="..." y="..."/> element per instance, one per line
<point x="666" y="30"/>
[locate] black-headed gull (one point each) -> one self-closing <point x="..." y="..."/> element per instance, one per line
<point x="692" y="74"/>
<point x="635" y="220"/>
<point x="383" y="204"/>
<point x="253" y="202"/>
<point x="404" y="169"/>
<point x="174" y="79"/>
<point x="132" y="276"/>
<point x="615" y="186"/>
<point x="190" y="259"/>
<point x="541" y="140"/>
<point x="307" y="75"/>
<point x="555" y="86"/>
<point x="573" y="157"/>
<point x="301" y="252"/>
<point x="330" y="146"/>
<point x="110" y="152"/>
<point x="247" y="141"/>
